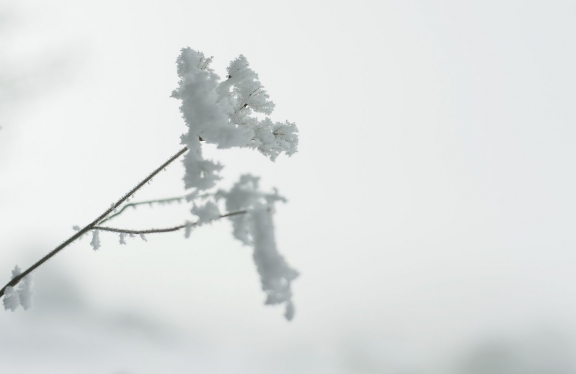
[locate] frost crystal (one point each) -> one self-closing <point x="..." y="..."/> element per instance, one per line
<point x="11" y="300"/>
<point x="188" y="227"/>
<point x="221" y="113"/>
<point x="242" y="196"/>
<point x="206" y="213"/>
<point x="122" y="241"/>
<point x="204" y="117"/>
<point x="290" y="311"/>
<point x="245" y="95"/>
<point x="275" y="274"/>
<point x="95" y="243"/>
<point x="245" y="195"/>
<point x="271" y="139"/>
<point x="21" y="295"/>
<point x="256" y="229"/>
<point x="24" y="290"/>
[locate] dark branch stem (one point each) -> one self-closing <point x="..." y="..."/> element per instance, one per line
<point x="90" y="226"/>
<point x="167" y="229"/>
<point x="148" y="231"/>
<point x="140" y="185"/>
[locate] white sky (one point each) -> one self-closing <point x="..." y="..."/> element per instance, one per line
<point x="431" y="206"/>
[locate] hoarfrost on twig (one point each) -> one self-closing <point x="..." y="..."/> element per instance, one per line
<point x="21" y="295"/>
<point x="95" y="243"/>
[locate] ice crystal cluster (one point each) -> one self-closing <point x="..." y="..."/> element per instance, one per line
<point x="256" y="229"/>
<point x="21" y="295"/>
<point x="222" y="113"/>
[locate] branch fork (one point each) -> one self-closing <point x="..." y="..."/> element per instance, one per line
<point x="95" y="225"/>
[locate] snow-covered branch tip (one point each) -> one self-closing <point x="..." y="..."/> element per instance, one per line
<point x="222" y="113"/>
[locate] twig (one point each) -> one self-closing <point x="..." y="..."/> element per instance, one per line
<point x="167" y="229"/>
<point x="135" y="204"/>
<point x="90" y="226"/>
<point x="149" y="202"/>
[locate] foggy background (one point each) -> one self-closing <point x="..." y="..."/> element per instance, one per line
<point x="431" y="205"/>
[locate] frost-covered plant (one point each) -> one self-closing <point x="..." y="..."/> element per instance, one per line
<point x="221" y="113"/>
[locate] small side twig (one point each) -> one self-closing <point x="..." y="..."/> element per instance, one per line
<point x="150" y="202"/>
<point x="166" y="229"/>
<point x="146" y="202"/>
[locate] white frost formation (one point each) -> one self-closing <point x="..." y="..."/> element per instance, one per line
<point x="221" y="113"/>
<point x="95" y="242"/>
<point x="206" y="213"/>
<point x="19" y="296"/>
<point x="275" y="274"/>
<point x="256" y="229"/>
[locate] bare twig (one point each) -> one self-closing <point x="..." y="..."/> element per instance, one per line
<point x="149" y="202"/>
<point x="147" y="231"/>
<point x="167" y="229"/>
<point x="91" y="225"/>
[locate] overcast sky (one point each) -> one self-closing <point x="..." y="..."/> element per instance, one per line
<point x="431" y="205"/>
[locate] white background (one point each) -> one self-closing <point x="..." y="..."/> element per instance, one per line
<point x="431" y="205"/>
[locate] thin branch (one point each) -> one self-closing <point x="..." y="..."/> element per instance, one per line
<point x="140" y="185"/>
<point x="150" y="202"/>
<point x="91" y="225"/>
<point x="135" y="204"/>
<point x="148" y="231"/>
<point x="167" y="229"/>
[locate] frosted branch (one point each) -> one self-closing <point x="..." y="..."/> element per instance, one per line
<point x="163" y="230"/>
<point x="147" y="202"/>
<point x="91" y="225"/>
